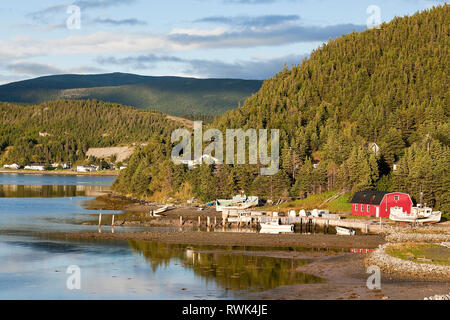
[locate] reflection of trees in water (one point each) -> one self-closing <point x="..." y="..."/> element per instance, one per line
<point x="48" y="191"/>
<point x="234" y="271"/>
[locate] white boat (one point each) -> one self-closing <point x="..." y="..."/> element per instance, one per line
<point x="417" y="215"/>
<point x="239" y="202"/>
<point x="302" y="213"/>
<point x="275" y="227"/>
<point x="155" y="213"/>
<point x="345" y="232"/>
<point x="315" y="213"/>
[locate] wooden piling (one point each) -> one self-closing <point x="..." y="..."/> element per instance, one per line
<point x="112" y="224"/>
<point x="208" y="221"/>
<point x="181" y="221"/>
<point x="199" y="221"/>
<point x="100" y="223"/>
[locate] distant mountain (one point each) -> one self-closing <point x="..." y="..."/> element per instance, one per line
<point x="172" y="95"/>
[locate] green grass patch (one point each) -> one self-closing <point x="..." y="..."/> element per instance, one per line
<point x="316" y="201"/>
<point x="421" y="253"/>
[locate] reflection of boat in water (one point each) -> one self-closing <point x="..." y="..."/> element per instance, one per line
<point x="155" y="213"/>
<point x="345" y="232"/>
<point x="238" y="202"/>
<point x="275" y="227"/>
<point x="418" y="214"/>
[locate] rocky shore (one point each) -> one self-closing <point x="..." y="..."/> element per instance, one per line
<point x="403" y="269"/>
<point x="400" y="237"/>
<point x="439" y="297"/>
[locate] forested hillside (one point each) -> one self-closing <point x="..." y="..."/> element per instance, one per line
<point x="387" y="86"/>
<point x="63" y="131"/>
<point x="185" y="97"/>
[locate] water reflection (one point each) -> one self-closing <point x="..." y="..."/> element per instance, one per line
<point x="242" y="272"/>
<point x="43" y="180"/>
<point x="50" y="191"/>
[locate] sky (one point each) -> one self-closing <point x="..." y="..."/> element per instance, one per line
<point x="248" y="39"/>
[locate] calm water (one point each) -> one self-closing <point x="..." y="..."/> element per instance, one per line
<point x="33" y="267"/>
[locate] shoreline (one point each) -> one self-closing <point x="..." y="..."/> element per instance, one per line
<point x="234" y="239"/>
<point x="62" y="173"/>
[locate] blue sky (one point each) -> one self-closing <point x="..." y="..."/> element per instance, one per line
<point x="249" y="39"/>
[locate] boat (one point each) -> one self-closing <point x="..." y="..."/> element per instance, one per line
<point x="418" y="215"/>
<point x="155" y="213"/>
<point x="345" y="232"/>
<point x="275" y="227"/>
<point x="238" y="202"/>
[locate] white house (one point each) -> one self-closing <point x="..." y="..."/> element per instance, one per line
<point x="89" y="168"/>
<point x="35" y="166"/>
<point x="14" y="166"/>
<point x="63" y="165"/>
<point x="206" y="158"/>
<point x="374" y="148"/>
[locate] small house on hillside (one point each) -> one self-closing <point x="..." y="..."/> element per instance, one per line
<point x="374" y="148"/>
<point x="379" y="203"/>
<point x="206" y="158"/>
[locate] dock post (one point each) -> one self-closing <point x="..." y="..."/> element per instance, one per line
<point x="215" y="221"/>
<point x="112" y="224"/>
<point x="208" y="221"/>
<point x="181" y="221"/>
<point x="199" y="221"/>
<point x="100" y="223"/>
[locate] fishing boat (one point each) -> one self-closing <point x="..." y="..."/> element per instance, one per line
<point x="275" y="227"/>
<point x="345" y="232"/>
<point x="418" y="215"/>
<point x="238" y="202"/>
<point x="155" y="213"/>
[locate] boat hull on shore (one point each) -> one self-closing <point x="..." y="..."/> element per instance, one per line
<point x="417" y="215"/>
<point x="345" y="232"/>
<point x="237" y="203"/>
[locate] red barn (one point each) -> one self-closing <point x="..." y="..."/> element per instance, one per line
<point x="379" y="203"/>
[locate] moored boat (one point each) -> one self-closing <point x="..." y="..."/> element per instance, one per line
<point x="276" y="227"/>
<point x="345" y="232"/>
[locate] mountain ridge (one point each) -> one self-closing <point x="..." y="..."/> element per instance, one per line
<point x="178" y="96"/>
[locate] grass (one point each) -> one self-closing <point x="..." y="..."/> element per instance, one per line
<point x="421" y="253"/>
<point x="338" y="205"/>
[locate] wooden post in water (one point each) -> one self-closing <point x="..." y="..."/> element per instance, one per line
<point x="181" y="221"/>
<point x="301" y="222"/>
<point x="208" y="221"/>
<point x="215" y="221"/>
<point x="199" y="221"/>
<point x="100" y="223"/>
<point x="112" y="224"/>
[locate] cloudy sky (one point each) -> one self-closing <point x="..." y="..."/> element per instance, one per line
<point x="249" y="39"/>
